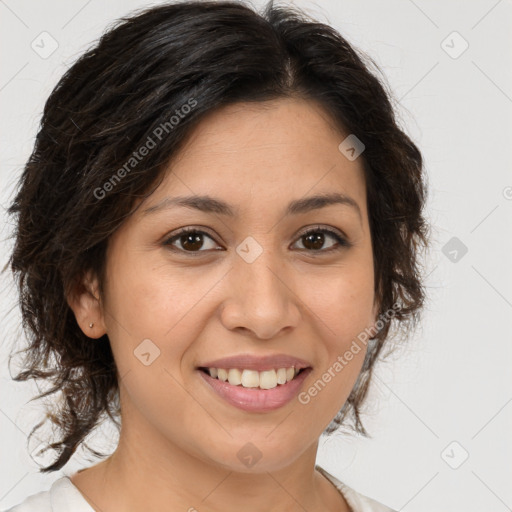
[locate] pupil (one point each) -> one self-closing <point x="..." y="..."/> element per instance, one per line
<point x="190" y="240"/>
<point x="317" y="240"/>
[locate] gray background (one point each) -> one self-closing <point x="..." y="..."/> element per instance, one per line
<point x="451" y="382"/>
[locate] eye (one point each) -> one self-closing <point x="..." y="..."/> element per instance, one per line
<point x="190" y="240"/>
<point x="315" y="238"/>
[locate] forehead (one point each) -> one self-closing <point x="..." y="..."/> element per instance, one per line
<point x="257" y="129"/>
<point x="247" y="152"/>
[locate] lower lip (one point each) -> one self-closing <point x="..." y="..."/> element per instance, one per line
<point x="256" y="399"/>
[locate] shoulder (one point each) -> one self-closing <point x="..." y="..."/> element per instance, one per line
<point x="39" y="502"/>
<point x="357" y="502"/>
<point x="59" y="498"/>
<point x="63" y="494"/>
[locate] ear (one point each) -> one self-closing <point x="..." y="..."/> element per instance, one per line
<point x="85" y="301"/>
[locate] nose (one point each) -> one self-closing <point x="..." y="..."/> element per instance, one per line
<point x="261" y="297"/>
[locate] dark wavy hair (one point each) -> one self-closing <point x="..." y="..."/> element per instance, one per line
<point x="139" y="74"/>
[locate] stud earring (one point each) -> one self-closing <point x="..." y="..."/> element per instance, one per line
<point x="91" y="325"/>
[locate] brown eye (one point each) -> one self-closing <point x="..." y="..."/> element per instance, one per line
<point x="314" y="240"/>
<point x="190" y="240"/>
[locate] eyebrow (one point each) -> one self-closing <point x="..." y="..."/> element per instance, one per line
<point x="209" y="204"/>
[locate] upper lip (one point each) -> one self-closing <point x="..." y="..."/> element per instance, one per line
<point x="258" y="363"/>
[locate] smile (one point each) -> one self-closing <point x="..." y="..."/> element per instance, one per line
<point x="267" y="379"/>
<point x="246" y="391"/>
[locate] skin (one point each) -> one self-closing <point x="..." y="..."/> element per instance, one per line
<point x="179" y="440"/>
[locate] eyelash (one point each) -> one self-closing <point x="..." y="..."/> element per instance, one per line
<point x="343" y="243"/>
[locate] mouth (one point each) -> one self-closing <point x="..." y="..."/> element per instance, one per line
<point x="253" y="391"/>
<point x="252" y="379"/>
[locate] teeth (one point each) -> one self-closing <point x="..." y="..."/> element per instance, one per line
<point x="281" y="376"/>
<point x="250" y="379"/>
<point x="234" y="377"/>
<point x="267" y="379"/>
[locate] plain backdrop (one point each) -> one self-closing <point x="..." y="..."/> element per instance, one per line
<point x="439" y="411"/>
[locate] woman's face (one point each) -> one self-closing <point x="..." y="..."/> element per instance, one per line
<point x="247" y="283"/>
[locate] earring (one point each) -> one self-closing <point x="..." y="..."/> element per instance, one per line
<point x="91" y="325"/>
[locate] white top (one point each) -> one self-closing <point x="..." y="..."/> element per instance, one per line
<point x="63" y="496"/>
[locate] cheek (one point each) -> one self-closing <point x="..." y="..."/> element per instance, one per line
<point x="154" y="304"/>
<point x="343" y="312"/>
<point x="342" y="301"/>
<point x="342" y="307"/>
<point x="156" y="321"/>
<point x="142" y="298"/>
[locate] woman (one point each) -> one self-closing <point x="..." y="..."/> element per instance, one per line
<point x="218" y="225"/>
